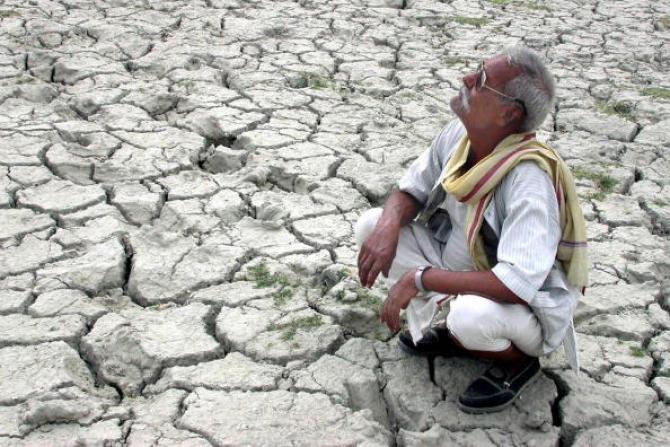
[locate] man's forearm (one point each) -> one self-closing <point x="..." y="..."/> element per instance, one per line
<point x="484" y="284"/>
<point x="400" y="209"/>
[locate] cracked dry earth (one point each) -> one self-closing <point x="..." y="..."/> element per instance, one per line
<point x="178" y="186"/>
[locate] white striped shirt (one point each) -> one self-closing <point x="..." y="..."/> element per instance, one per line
<point x="524" y="216"/>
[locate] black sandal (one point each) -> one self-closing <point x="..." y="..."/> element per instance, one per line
<point x="435" y="341"/>
<point x="497" y="389"/>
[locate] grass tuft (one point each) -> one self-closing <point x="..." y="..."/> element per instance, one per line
<point x="663" y="22"/>
<point x="276" y="31"/>
<point x="637" y="351"/>
<point x="624" y="109"/>
<point x="536" y="6"/>
<point x="656" y="92"/>
<point x="472" y="21"/>
<point x="263" y="278"/>
<point x="603" y="182"/>
<point x="6" y="13"/>
<point x="289" y="330"/>
<point x="368" y="300"/>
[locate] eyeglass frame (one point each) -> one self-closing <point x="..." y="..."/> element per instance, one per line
<point x="480" y="83"/>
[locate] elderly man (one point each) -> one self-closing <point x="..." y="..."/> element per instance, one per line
<point x="499" y="236"/>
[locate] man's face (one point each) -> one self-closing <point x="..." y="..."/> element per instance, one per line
<point x="479" y="108"/>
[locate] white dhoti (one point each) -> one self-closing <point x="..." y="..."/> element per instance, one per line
<point x="478" y="323"/>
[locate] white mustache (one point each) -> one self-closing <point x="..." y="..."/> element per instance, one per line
<point x="465" y="98"/>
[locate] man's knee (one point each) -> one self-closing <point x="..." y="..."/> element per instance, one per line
<point x="365" y="224"/>
<point x="472" y="320"/>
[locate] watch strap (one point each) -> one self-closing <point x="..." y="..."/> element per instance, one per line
<point x="418" y="277"/>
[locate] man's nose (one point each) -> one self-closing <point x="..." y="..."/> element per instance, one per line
<point x="469" y="80"/>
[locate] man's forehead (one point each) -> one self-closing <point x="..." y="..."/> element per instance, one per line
<point x="499" y="68"/>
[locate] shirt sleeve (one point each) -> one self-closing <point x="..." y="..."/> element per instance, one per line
<point x="426" y="169"/>
<point x="530" y="232"/>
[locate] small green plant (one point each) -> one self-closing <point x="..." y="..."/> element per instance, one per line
<point x="535" y="6"/>
<point x="603" y="182"/>
<point x="451" y="61"/>
<point x="276" y="31"/>
<point x="656" y="92"/>
<point x="660" y="202"/>
<point x="341" y="274"/>
<point x="637" y="351"/>
<point x="624" y="109"/>
<point x="6" y="13"/>
<point x="283" y="295"/>
<point x="263" y="278"/>
<point x="318" y="82"/>
<point x="663" y="22"/>
<point x="368" y="300"/>
<point x="186" y="84"/>
<point x="261" y="275"/>
<point x="472" y="21"/>
<point x="607" y="183"/>
<point x="290" y="329"/>
<point x="499" y="2"/>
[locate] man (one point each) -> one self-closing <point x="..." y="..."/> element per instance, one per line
<point x="499" y="235"/>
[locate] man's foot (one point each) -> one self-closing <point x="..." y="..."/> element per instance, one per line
<point x="435" y="341"/>
<point x="497" y="388"/>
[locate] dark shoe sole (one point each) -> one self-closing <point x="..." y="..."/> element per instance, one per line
<point x="483" y="410"/>
<point x="410" y="350"/>
<point x="408" y="347"/>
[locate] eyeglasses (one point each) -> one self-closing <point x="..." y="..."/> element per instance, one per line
<point x="480" y="83"/>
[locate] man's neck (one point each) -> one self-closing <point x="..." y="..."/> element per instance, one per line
<point x="482" y="144"/>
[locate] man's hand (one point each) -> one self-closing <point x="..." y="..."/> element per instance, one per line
<point x="399" y="297"/>
<point x="377" y="254"/>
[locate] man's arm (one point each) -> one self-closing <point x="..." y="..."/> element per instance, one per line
<point x="378" y="250"/>
<point x="484" y="284"/>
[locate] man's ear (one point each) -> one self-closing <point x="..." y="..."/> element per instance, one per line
<point x="510" y="114"/>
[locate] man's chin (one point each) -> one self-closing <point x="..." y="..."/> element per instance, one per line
<point x="457" y="106"/>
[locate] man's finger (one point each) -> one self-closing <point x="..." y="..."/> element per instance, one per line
<point x="364" y="263"/>
<point x="382" y="314"/>
<point x="386" y="268"/>
<point x="372" y="274"/>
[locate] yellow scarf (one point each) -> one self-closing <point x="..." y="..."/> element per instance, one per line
<point x="475" y="187"/>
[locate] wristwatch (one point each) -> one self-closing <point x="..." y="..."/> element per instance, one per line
<point x="418" y="277"/>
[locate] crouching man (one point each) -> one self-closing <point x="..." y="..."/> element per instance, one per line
<point x="487" y="219"/>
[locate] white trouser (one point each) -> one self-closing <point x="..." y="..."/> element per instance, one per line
<point x="478" y="323"/>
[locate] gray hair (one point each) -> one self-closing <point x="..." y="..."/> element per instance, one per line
<point x="534" y="86"/>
